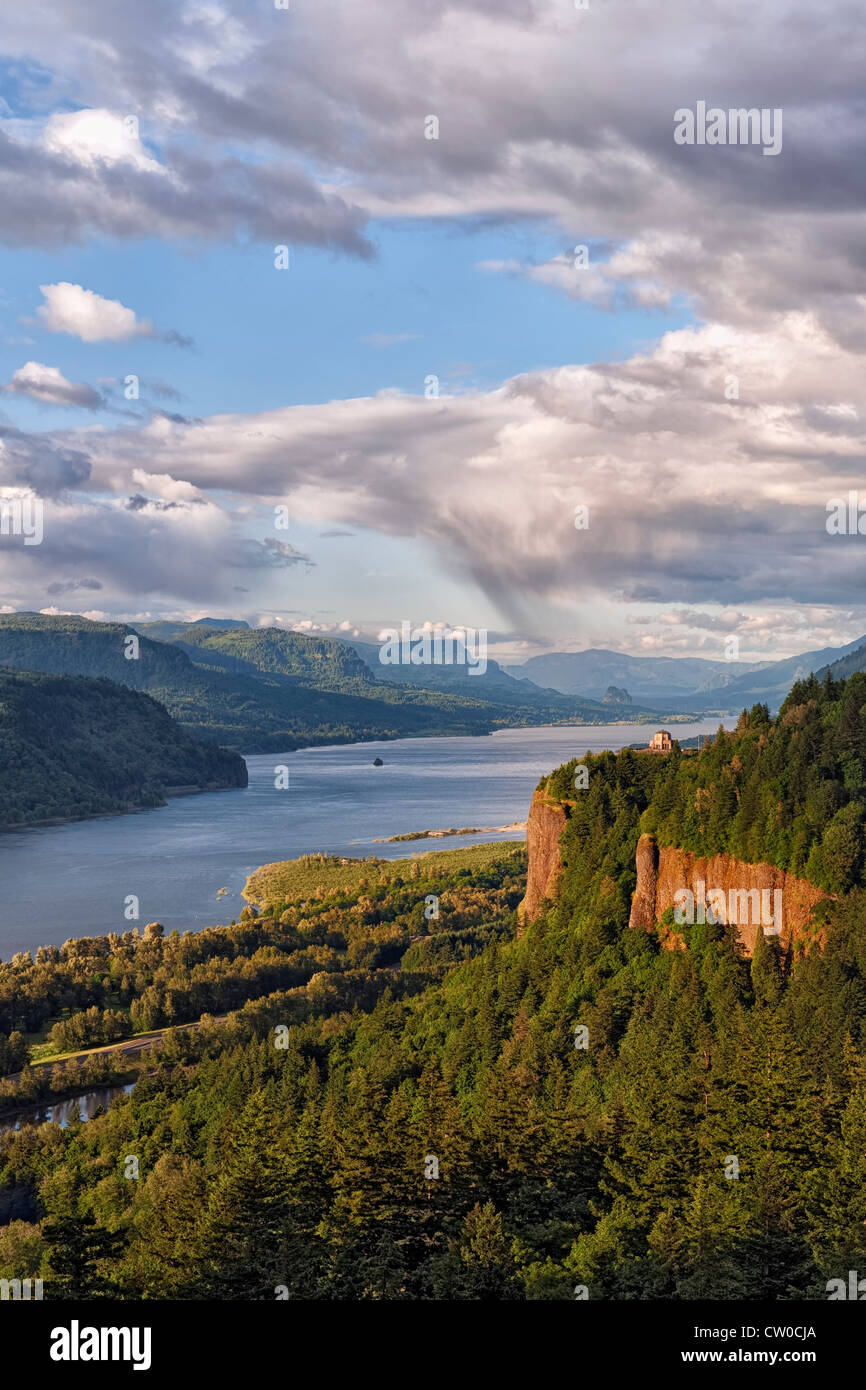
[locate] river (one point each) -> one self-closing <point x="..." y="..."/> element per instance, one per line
<point x="63" y="1112"/>
<point x="71" y="880"/>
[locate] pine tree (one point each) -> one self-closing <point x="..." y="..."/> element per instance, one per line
<point x="249" y="1240"/>
<point x="77" y="1251"/>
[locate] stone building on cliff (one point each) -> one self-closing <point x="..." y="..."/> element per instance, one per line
<point x="661" y="742"/>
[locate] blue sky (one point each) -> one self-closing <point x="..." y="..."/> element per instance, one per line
<point x="264" y="339"/>
<point x="697" y="387"/>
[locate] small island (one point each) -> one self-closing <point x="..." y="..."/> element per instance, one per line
<point x="440" y="834"/>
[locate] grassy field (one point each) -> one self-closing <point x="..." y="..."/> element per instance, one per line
<point x="319" y="875"/>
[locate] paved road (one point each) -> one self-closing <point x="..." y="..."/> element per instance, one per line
<point x="131" y="1046"/>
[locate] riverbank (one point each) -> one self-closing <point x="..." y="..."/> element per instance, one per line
<point x="134" y="809"/>
<point x="83" y="1105"/>
<point x="74" y="879"/>
<point x="58" y="1080"/>
<point x="317" y="744"/>
<point x="442" y="834"/>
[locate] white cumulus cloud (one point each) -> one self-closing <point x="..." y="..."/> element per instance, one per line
<point x="83" y="314"/>
<point x="49" y="385"/>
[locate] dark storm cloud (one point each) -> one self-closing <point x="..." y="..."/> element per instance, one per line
<point x="41" y="463"/>
<point x="69" y="586"/>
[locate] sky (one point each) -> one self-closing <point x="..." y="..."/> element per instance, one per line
<point x="336" y="316"/>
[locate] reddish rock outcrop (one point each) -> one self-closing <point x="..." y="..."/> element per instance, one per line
<point x="662" y="872"/>
<point x="544" y="826"/>
<point x="643" y="904"/>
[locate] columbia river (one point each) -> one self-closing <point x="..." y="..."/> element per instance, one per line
<point x="75" y="880"/>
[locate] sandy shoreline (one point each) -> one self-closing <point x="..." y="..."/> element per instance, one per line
<point x="441" y="834"/>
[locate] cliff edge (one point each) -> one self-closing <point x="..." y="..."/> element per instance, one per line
<point x="663" y="871"/>
<point x="545" y="824"/>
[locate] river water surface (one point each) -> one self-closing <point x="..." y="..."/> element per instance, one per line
<point x="63" y="1112"/>
<point x="74" y="880"/>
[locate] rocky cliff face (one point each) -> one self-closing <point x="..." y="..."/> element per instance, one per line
<point x="616" y="695"/>
<point x="544" y="826"/>
<point x="663" y="872"/>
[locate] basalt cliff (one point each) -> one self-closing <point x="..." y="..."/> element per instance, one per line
<point x="662" y="872"/>
<point x="544" y="826"/>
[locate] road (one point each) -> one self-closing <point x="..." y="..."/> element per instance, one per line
<point x="131" y="1046"/>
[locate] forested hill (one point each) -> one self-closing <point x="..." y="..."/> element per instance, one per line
<point x="316" y="661"/>
<point x="271" y="691"/>
<point x="414" y="1102"/>
<point x="71" y="746"/>
<point x="846" y="665"/>
<point x="414" y="1105"/>
<point x="789" y="791"/>
<point x="240" y="707"/>
<point x="353" y="668"/>
<point x="73" y="646"/>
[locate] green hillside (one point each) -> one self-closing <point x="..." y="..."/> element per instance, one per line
<point x="316" y="875"/>
<point x="265" y="690"/>
<point x="789" y="791"/>
<point x="412" y="1102"/>
<point x="354" y="668"/>
<point x="846" y="665"/>
<point x="315" y="661"/>
<point x="244" y="709"/>
<point x="71" y="746"/>
<point x="73" y="646"/>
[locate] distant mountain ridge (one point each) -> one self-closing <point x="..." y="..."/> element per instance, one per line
<point x="846" y="665"/>
<point x="269" y="690"/>
<point x="591" y="672"/>
<point x="680" y="683"/>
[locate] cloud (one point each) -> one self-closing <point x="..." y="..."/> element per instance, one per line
<point x="693" y="498"/>
<point x="252" y="125"/>
<point x="45" y="465"/>
<point x="166" y="487"/>
<point x="62" y="183"/>
<point x="312" y="627"/>
<point x="69" y="586"/>
<point x="49" y="385"/>
<point x="83" y="314"/>
<point x="162" y="389"/>
<point x="165" y="550"/>
<point x="98" y="137"/>
<point x="266" y="554"/>
<point x="289" y="129"/>
<point x="627" y="279"/>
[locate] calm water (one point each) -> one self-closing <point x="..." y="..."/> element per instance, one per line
<point x="63" y="1112"/>
<point x="73" y="880"/>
